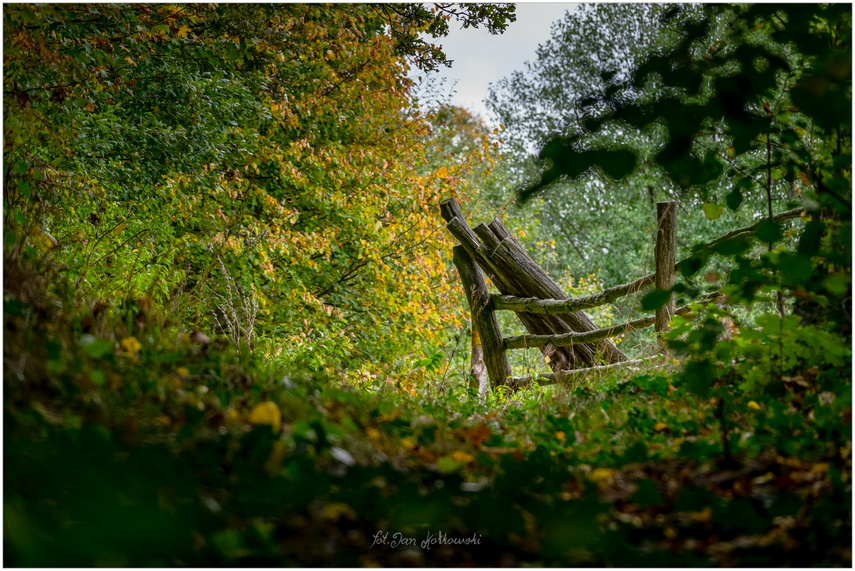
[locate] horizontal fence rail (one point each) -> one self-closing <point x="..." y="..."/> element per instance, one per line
<point x="557" y="306"/>
<point x="570" y="339"/>
<point x="567" y="339"/>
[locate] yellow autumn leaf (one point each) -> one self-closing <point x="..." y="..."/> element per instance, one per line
<point x="660" y="426"/>
<point x="372" y="433"/>
<point x="183" y="371"/>
<point x="131" y="345"/>
<point x="754" y="405"/>
<point x="462" y="457"/>
<point x="266" y="413"/>
<point x="442" y="173"/>
<point x="601" y="475"/>
<point x="183" y="31"/>
<point x="337" y="510"/>
<point x="702" y="516"/>
<point x="561" y="436"/>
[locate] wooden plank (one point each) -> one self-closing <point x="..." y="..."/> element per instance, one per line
<point x="558" y="359"/>
<point x="780" y="217"/>
<point x="557" y="306"/>
<point x="515" y="273"/>
<point x="537" y="283"/>
<point x="461" y="230"/>
<point x="575" y="338"/>
<point x="483" y="318"/>
<point x="666" y="257"/>
<point x="456" y="224"/>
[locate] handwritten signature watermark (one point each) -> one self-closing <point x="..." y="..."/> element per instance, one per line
<point x="397" y="539"/>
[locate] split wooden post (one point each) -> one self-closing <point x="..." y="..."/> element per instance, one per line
<point x="666" y="258"/>
<point x="483" y="318"/>
<point x="477" y="369"/>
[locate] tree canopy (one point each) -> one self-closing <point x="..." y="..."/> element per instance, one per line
<point x="257" y="165"/>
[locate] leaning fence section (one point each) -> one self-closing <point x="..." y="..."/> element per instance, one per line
<point x="556" y="323"/>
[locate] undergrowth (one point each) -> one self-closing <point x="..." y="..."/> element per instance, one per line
<point x="131" y="443"/>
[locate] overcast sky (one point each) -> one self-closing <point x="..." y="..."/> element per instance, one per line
<point x="481" y="58"/>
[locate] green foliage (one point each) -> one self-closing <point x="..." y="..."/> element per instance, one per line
<point x="722" y="94"/>
<point x="215" y="458"/>
<point x="601" y="208"/>
<point x="263" y="171"/>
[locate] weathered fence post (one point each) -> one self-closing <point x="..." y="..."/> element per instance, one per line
<point x="477" y="368"/>
<point x="483" y="318"/>
<point x="666" y="259"/>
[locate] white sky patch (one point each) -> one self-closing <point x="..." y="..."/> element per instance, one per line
<point x="481" y="58"/>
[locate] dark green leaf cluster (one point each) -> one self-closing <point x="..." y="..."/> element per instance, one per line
<point x="735" y="88"/>
<point x="407" y="20"/>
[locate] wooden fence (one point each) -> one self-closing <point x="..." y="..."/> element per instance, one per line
<point x="556" y="324"/>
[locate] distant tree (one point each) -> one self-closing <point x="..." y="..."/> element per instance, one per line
<point x="598" y="222"/>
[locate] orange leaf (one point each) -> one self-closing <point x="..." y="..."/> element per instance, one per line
<point x="478" y="435"/>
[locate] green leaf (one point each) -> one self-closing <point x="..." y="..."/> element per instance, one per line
<point x="618" y="164"/>
<point x="769" y="231"/>
<point x="172" y="357"/>
<point x="447" y="464"/>
<point x="712" y="210"/>
<point x="56" y="366"/>
<point x="734" y="199"/>
<point x="699" y="377"/>
<point x="647" y="494"/>
<point x="732" y="247"/>
<point x="636" y="453"/>
<point x="95" y="348"/>
<point x="655" y="299"/>
<point x="692" y="265"/>
<point x="24" y="187"/>
<point x="837" y="284"/>
<point x="97" y="377"/>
